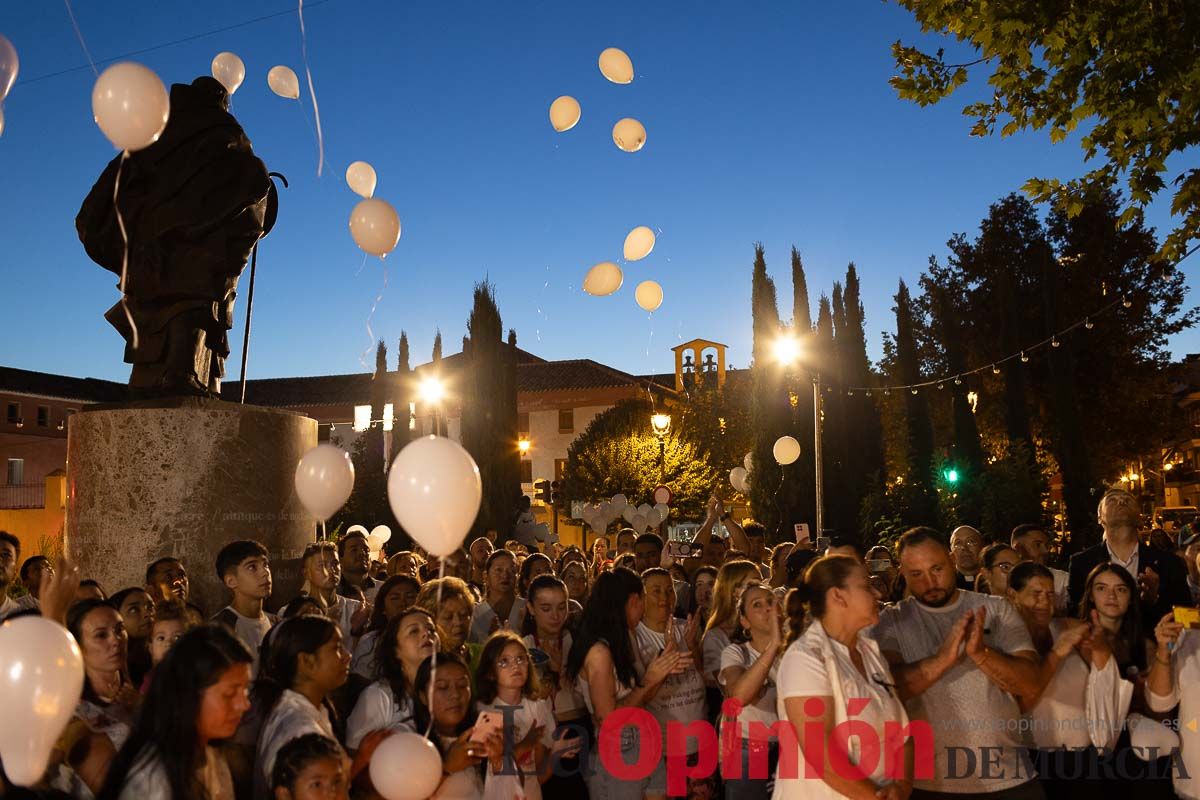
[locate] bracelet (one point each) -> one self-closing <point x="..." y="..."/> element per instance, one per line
<point x="987" y="653"/>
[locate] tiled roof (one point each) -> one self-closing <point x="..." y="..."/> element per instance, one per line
<point x="42" y="384"/>
<point x="580" y="373"/>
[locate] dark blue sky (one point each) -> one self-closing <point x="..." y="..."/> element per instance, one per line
<point x="766" y="122"/>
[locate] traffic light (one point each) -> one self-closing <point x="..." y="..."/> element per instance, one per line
<point x="555" y="488"/>
<point x="951" y="475"/>
<point x="542" y="491"/>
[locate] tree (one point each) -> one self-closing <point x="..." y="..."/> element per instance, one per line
<point x="368" y="503"/>
<point x="802" y="473"/>
<point x="402" y="390"/>
<point x="618" y="453"/>
<point x="863" y="431"/>
<point x="922" y="502"/>
<point x="489" y="411"/>
<point x="1127" y="68"/>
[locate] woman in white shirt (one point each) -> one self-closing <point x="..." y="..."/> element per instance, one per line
<point x="307" y="663"/>
<point x="831" y="664"/>
<point x="387" y="704"/>
<point x="396" y="594"/>
<point x="197" y="698"/>
<point x="722" y="622"/>
<point x="502" y="607"/>
<point x="602" y="663"/>
<point x="749" y="671"/>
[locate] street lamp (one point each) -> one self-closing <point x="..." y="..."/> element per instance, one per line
<point x="431" y="390"/>
<point x="787" y="351"/>
<point x="523" y="446"/>
<point x="661" y="425"/>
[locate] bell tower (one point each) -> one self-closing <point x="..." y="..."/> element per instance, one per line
<point x="699" y="362"/>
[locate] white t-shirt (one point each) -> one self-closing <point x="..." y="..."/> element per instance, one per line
<point x="481" y="620"/>
<point x="1081" y="706"/>
<point x="377" y="710"/>
<point x="147" y="778"/>
<point x="524" y="717"/>
<point x="816" y="665"/>
<point x="964" y="708"/>
<point x="712" y="645"/>
<point x="566" y="703"/>
<point x="1062" y="597"/>
<point x="292" y="717"/>
<point x="680" y="698"/>
<point x="1185" y="666"/>
<point x="763" y="709"/>
<point x="341" y="612"/>
<point x="363" y="662"/>
<point x="250" y="630"/>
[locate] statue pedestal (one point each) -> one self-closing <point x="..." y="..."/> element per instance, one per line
<point x="182" y="477"/>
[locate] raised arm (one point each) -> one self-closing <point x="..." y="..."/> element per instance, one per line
<point x="1017" y="674"/>
<point x="913" y="679"/>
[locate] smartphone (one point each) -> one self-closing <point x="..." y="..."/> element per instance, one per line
<point x="802" y="534"/>
<point x="676" y="549"/>
<point x="878" y="565"/>
<point x="1187" y="617"/>
<point x="823" y="543"/>
<point x="488" y="723"/>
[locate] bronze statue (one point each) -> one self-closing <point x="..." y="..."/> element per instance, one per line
<point x="194" y="204"/>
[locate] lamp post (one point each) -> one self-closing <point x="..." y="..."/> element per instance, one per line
<point x="787" y="352"/>
<point x="661" y="425"/>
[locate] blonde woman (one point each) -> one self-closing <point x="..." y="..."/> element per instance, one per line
<point x="732" y="578"/>
<point x="452" y="605"/>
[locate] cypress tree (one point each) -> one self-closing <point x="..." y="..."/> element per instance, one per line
<point x="921" y="499"/>
<point x="801" y="311"/>
<point x="402" y="392"/>
<point x="489" y="412"/>
<point x="804" y="494"/>
<point x="769" y="498"/>
<point x="864" y="430"/>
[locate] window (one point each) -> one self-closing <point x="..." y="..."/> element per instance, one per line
<point x="362" y="418"/>
<point x="16" y="471"/>
<point x="560" y="468"/>
<point x="14" y="413"/>
<point x="43" y="416"/>
<point x="526" y="471"/>
<point x="523" y="425"/>
<point x="388" y="419"/>
<point x="566" y="420"/>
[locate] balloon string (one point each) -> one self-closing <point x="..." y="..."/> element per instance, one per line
<point x="436" y="647"/>
<point x="79" y="36"/>
<point x="362" y="358"/>
<point x="124" y="252"/>
<point x="360" y="266"/>
<point x="322" y="531"/>
<point x="311" y="91"/>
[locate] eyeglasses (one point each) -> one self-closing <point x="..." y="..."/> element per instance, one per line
<point x="515" y="661"/>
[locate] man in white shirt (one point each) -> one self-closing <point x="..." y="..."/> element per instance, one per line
<point x="245" y="570"/>
<point x="322" y="572"/>
<point x="958" y="659"/>
<point x="1032" y="544"/>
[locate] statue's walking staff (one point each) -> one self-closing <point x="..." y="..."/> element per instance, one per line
<point x="253" y="265"/>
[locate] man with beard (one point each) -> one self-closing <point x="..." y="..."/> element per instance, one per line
<point x="355" y="555"/>
<point x="480" y="550"/>
<point x="1161" y="577"/>
<point x="958" y="659"/>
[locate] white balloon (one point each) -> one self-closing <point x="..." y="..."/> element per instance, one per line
<point x="373" y="544"/>
<point x="639" y="522"/>
<point x="229" y="70"/>
<point x="406" y="766"/>
<point x="629" y="513"/>
<point x="1" y="120"/>
<point x="435" y="491"/>
<point x="616" y="65"/>
<point x="324" y="480"/>
<point x="649" y="295"/>
<point x="564" y="113"/>
<point x="131" y="105"/>
<point x="604" y="514"/>
<point x="629" y="135"/>
<point x="382" y="532"/>
<point x="357" y="529"/>
<point x="638" y="243"/>
<point x="603" y="279"/>
<point x="664" y="511"/>
<point x="786" y="450"/>
<point x="360" y="177"/>
<point x="736" y="476"/>
<point x="748" y="462"/>
<point x="644" y="509"/>
<point x="375" y="226"/>
<point x="619" y="502"/>
<point x="283" y="82"/>
<point x="10" y="65"/>
<point x="41" y="677"/>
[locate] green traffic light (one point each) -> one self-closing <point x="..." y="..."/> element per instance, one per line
<point x="951" y="475"/>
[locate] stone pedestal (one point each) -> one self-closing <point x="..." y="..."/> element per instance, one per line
<point x="182" y="477"/>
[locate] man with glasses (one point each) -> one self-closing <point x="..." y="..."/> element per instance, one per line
<point x="1161" y="576"/>
<point x="965" y="544"/>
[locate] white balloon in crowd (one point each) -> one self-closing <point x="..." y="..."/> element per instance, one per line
<point x="41" y="678"/>
<point x="435" y="491"/>
<point x="564" y="113"/>
<point x="649" y="295"/>
<point x="382" y="532"/>
<point x="357" y="529"/>
<point x="603" y="279"/>
<point x="619" y="502"/>
<point x="638" y="243"/>
<point x="644" y="509"/>
<point x="131" y="105"/>
<point x="605" y="512"/>
<point x="10" y="65"/>
<point x="229" y="70"/>
<point x="283" y="82"/>
<point x="361" y="178"/>
<point x="629" y="135"/>
<point x="663" y="511"/>
<point x="737" y="477"/>
<point x="375" y="226"/>
<point x="616" y="65"/>
<point x="324" y="480"/>
<point x="406" y="766"/>
<point x="786" y="450"/>
<point x="639" y="522"/>
<point x="629" y="513"/>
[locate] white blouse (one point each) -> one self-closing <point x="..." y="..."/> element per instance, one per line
<point x="377" y="710"/>
<point x="524" y="717"/>
<point x="292" y="717"/>
<point x="363" y="661"/>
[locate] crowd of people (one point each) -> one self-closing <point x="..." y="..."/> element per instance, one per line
<point x="926" y="668"/>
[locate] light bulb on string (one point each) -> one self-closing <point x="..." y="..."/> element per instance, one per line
<point x="849" y="393"/>
<point x="1055" y="342"/>
<point x="1126" y="301"/>
<point x="1024" y="358"/>
<point x="1087" y="323"/>
<point x="914" y="391"/>
<point x="958" y="381"/>
<point x="995" y="369"/>
<point x="868" y="393"/>
<point x="887" y="392"/>
<point x="941" y="386"/>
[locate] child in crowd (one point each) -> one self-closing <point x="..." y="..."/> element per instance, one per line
<point x="169" y="624"/>
<point x="310" y="768"/>
<point x="245" y="570"/>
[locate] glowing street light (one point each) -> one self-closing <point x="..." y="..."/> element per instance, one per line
<point x="523" y="446"/>
<point x="661" y="423"/>
<point x="786" y="349"/>
<point x="431" y="390"/>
